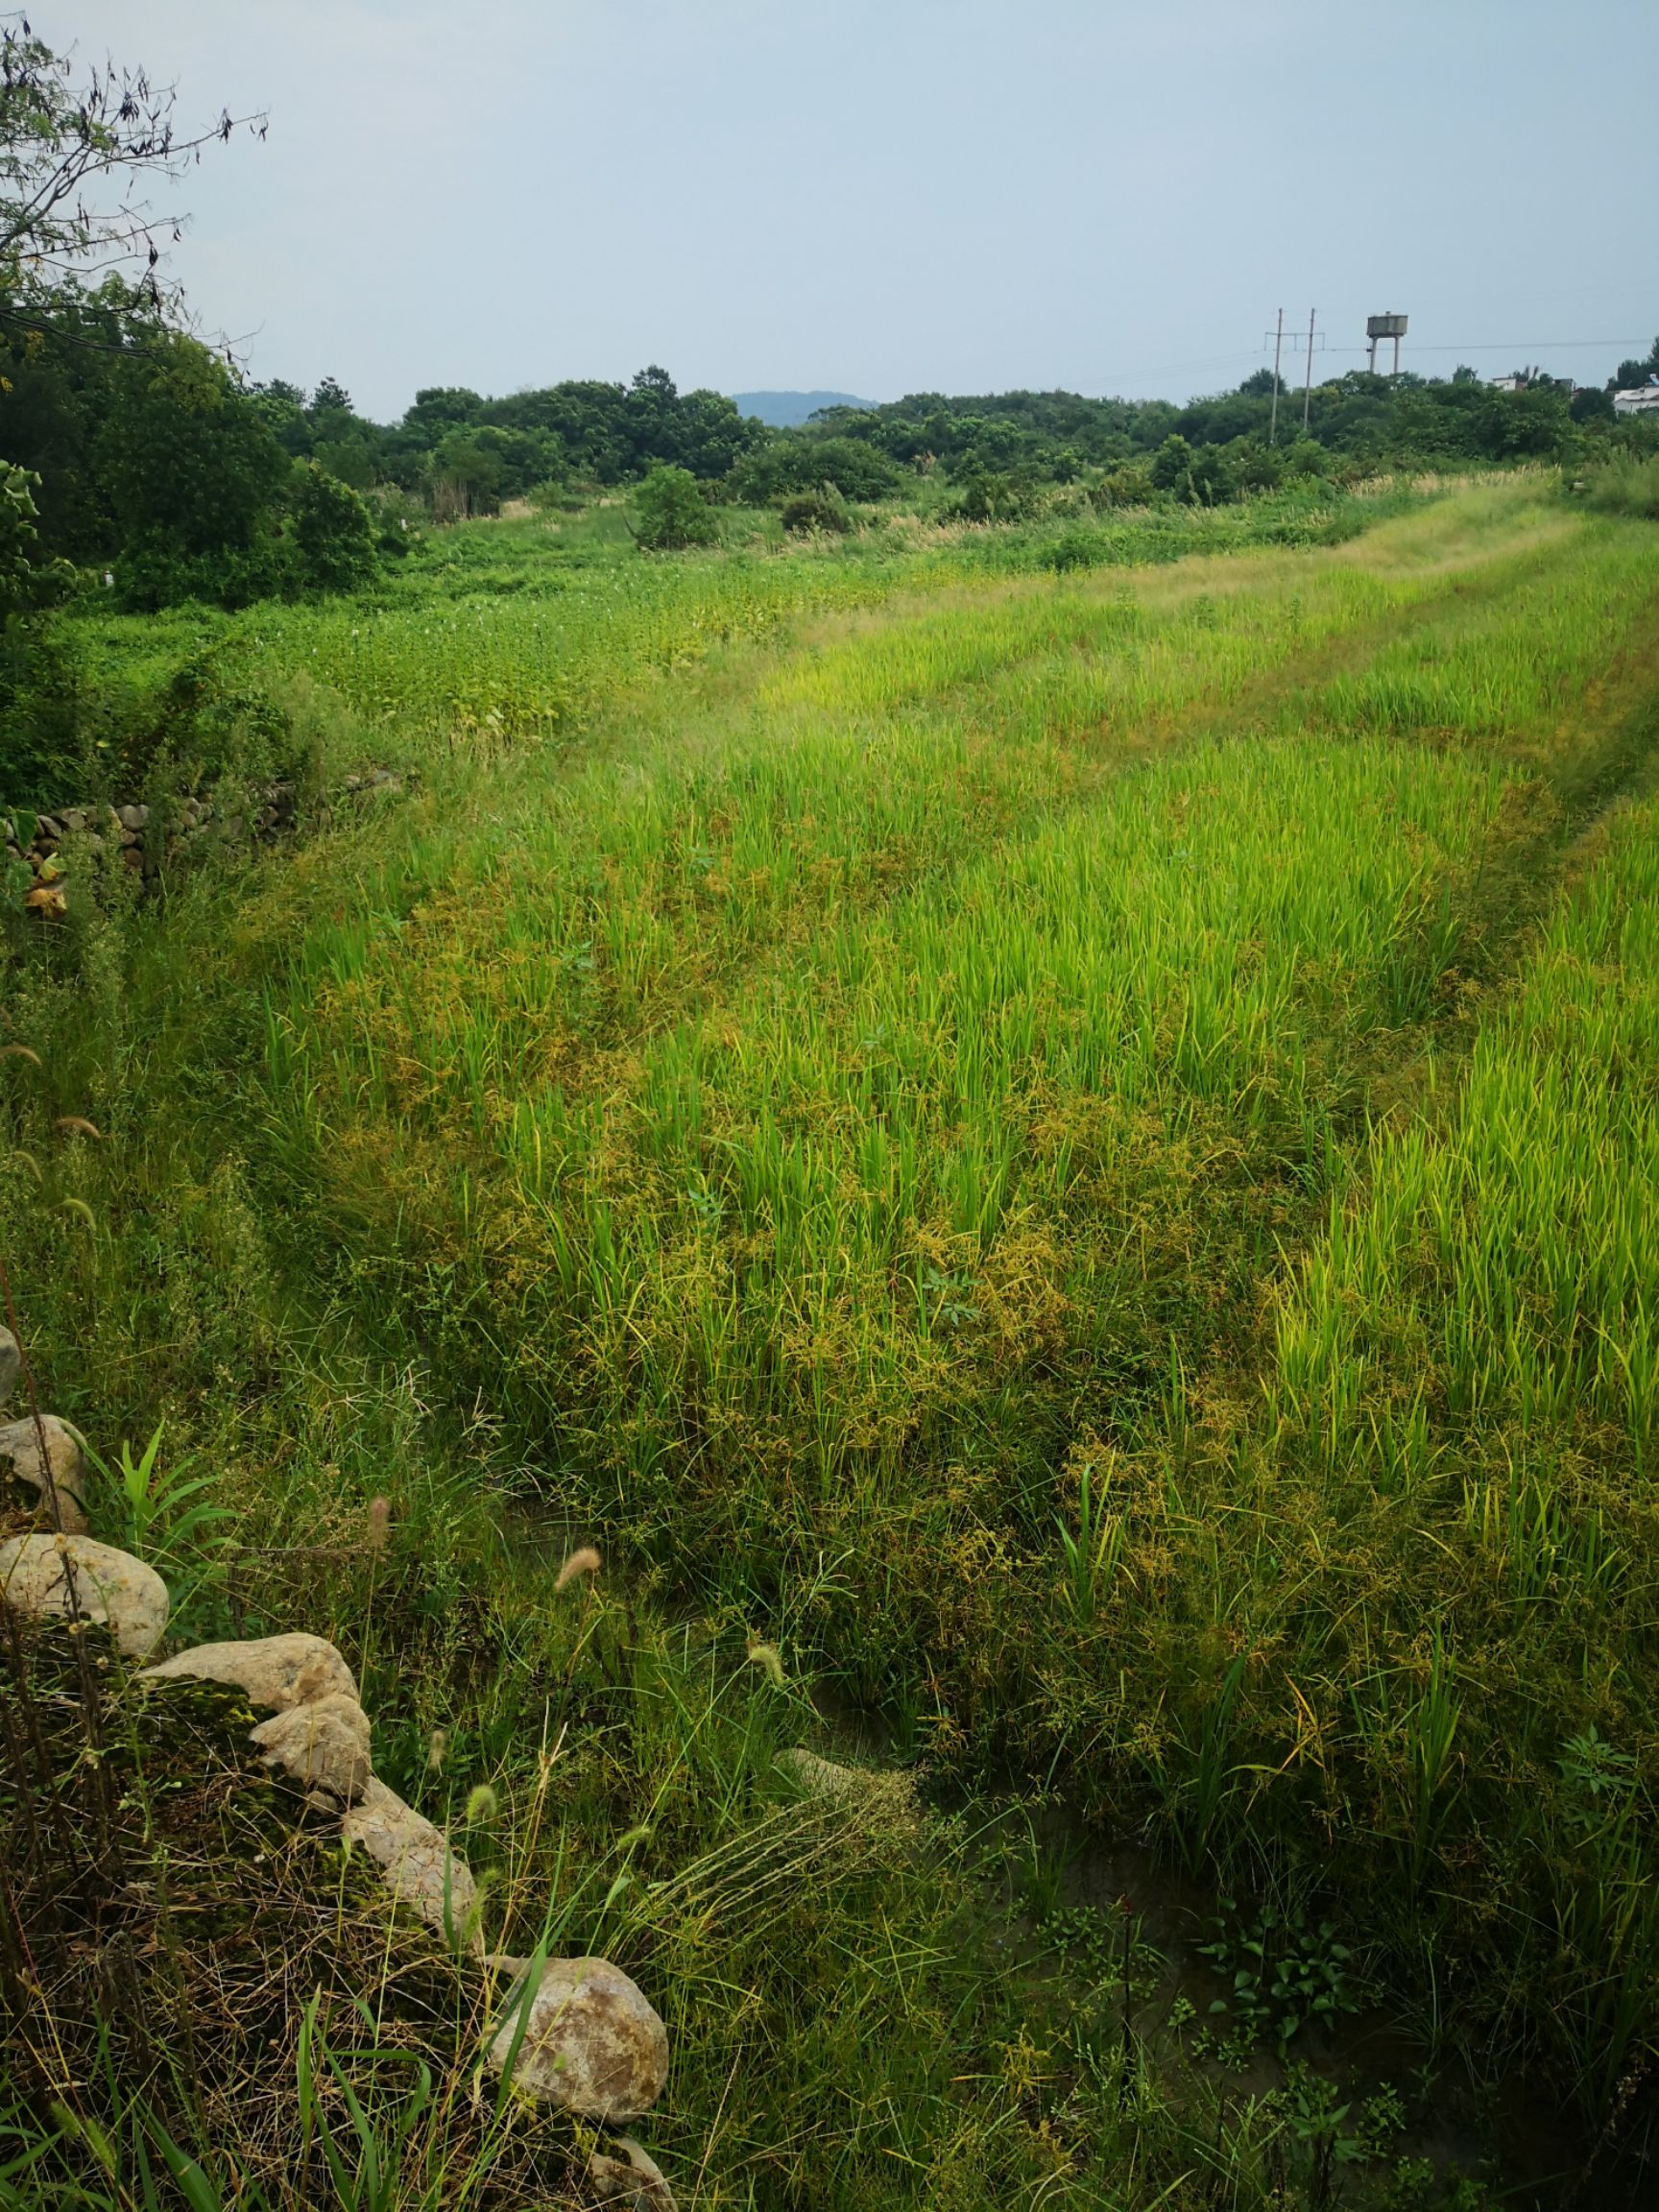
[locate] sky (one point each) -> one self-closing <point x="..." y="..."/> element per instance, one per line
<point x="892" y="196"/>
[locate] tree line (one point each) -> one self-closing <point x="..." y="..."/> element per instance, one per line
<point x="134" y="454"/>
<point x="155" y="462"/>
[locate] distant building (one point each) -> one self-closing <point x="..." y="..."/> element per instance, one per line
<point x="1640" y="400"/>
<point x="1531" y="380"/>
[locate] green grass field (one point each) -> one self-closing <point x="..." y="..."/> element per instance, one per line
<point x="1069" y="1143"/>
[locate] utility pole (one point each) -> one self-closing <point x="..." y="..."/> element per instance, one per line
<point x="1308" y="387"/>
<point x="1273" y="419"/>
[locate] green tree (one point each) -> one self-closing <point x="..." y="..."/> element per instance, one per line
<point x="467" y="476"/>
<point x="822" y="510"/>
<point x="187" y="459"/>
<point x="1633" y="371"/>
<point x="333" y="533"/>
<point x="282" y="405"/>
<point x="1172" y="467"/>
<point x="25" y="588"/>
<point x="1213" y="475"/>
<point x="37" y="684"/>
<point x="672" y="512"/>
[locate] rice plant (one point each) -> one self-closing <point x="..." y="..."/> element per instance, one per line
<point x="946" y="1032"/>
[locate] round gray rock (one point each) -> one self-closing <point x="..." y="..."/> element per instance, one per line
<point x="64" y="1464"/>
<point x="277" y="1671"/>
<point x="593" y="2044"/>
<point x="60" y="1577"/>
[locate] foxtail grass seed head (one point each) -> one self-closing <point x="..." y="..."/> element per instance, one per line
<point x="584" y="1561"/>
<point x="437" y="1745"/>
<point x="77" y="1125"/>
<point x="380" y="1522"/>
<point x="481" y="1805"/>
<point x="19" y="1053"/>
<point x="768" y="1658"/>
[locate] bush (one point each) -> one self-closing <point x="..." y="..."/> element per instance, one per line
<point x="1172" y="467"/>
<point x="1306" y="457"/>
<point x="1075" y="550"/>
<point x="398" y="520"/>
<point x="673" y="513"/>
<point x="43" y="762"/>
<point x="822" y="510"/>
<point x="988" y="497"/>
<point x="333" y="533"/>
<point x="1128" y="485"/>
<point x="799" y="462"/>
<point x="40" y="752"/>
<point x="154" y="572"/>
<point x="1255" y="466"/>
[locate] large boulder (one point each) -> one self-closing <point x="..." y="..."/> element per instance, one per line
<point x="414" y="1859"/>
<point x="276" y="1671"/>
<point x="323" y="1745"/>
<point x="593" y="2044"/>
<point x="59" y="1577"/>
<point x="10" y="1363"/>
<point x="63" y="1467"/>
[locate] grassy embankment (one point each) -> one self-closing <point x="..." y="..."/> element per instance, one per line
<point x="973" y="1150"/>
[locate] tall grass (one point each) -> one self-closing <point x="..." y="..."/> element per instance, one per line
<point x="817" y="1136"/>
<point x="1627" y="484"/>
<point x="987" y="1147"/>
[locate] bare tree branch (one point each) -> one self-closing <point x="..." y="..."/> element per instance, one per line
<point x="73" y="158"/>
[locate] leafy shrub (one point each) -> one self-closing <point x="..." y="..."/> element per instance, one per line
<point x="39" y="749"/>
<point x="673" y="513"/>
<point x="154" y="571"/>
<point x="1172" y="467"/>
<point x="332" y="531"/>
<point x="399" y="521"/>
<point x="43" y="762"/>
<point x="1306" y="457"/>
<point x="988" y="496"/>
<point x="1128" y="485"/>
<point x="796" y="461"/>
<point x="1253" y="466"/>
<point x="1075" y="550"/>
<point x="25" y="586"/>
<point x="857" y="470"/>
<point x="822" y="510"/>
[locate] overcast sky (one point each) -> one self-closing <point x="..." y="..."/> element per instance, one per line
<point x="898" y="195"/>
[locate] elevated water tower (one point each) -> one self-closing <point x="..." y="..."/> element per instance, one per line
<point x="1381" y="326"/>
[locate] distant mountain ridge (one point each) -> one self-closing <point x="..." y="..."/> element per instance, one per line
<point x="788" y="410"/>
